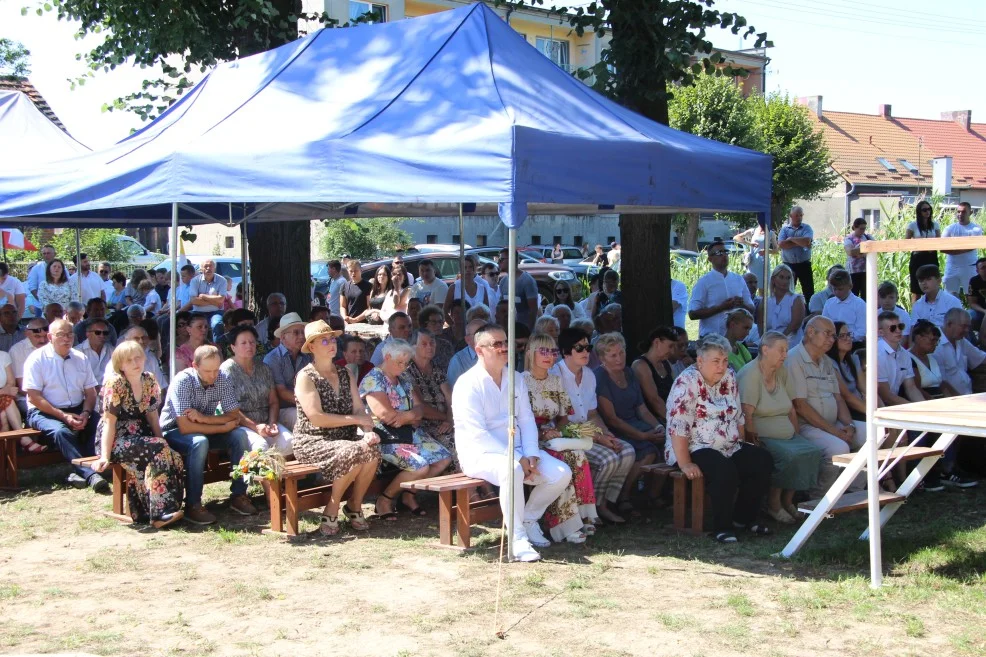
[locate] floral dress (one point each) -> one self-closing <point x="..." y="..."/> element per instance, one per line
<point x="425" y="450"/>
<point x="155" y="472"/>
<point x="709" y="416"/>
<point x="336" y="450"/>
<point x="578" y="501"/>
<point x="60" y="293"/>
<point x="429" y="387"/>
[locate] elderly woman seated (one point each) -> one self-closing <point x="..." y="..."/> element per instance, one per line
<point x="765" y="393"/>
<point x="547" y="325"/>
<point x="398" y="412"/>
<point x="254" y="386"/>
<point x="707" y="429"/>
<point x="563" y="314"/>
<point x="623" y="409"/>
<point x="436" y="395"/>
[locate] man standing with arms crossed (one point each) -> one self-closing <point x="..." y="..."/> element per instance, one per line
<point x="794" y="240"/>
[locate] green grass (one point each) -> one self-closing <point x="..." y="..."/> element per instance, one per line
<point x="741" y="604"/>
<point x="9" y="591"/>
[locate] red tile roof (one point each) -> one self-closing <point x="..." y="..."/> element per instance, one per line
<point x="22" y="85"/>
<point x="857" y="140"/>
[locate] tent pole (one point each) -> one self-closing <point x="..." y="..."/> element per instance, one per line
<point x="511" y="374"/>
<point x="172" y="329"/>
<point x="244" y="279"/>
<point x="78" y="261"/>
<point x="873" y="433"/>
<point x="766" y="270"/>
<point x="462" y="268"/>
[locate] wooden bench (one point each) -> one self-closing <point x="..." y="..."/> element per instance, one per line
<point x="14" y="459"/>
<point x="454" y="492"/>
<point x="682" y="484"/>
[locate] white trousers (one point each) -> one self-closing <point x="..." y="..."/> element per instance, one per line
<point x="287" y="416"/>
<point x="831" y="446"/>
<point x="281" y="442"/>
<point x="549" y="482"/>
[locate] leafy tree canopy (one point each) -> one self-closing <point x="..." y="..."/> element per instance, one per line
<point x="14" y="59"/>
<point x="364" y="238"/>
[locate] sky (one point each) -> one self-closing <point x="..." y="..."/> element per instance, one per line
<point x="919" y="56"/>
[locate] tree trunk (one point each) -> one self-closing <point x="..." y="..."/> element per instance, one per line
<point x="691" y="233"/>
<point x="279" y="262"/>
<point x="645" y="268"/>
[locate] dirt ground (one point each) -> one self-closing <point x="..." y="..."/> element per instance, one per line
<point x="74" y="581"/>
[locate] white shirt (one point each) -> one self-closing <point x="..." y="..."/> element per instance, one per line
<point x="92" y="286"/>
<point x="18" y="356"/>
<point x="4" y="362"/>
<point x="955" y="360"/>
<point x="97" y="362"/>
<point x="713" y="289"/>
<point x="10" y="288"/>
<point x="962" y="265"/>
<point x="61" y="380"/>
<point x="434" y="293"/>
<point x="679" y="293"/>
<point x="479" y="412"/>
<point x="199" y="285"/>
<point x="613" y="257"/>
<point x="36" y="275"/>
<point x="582" y="395"/>
<point x="852" y="311"/>
<point x="893" y="366"/>
<point x="335" y="286"/>
<point x="107" y="287"/>
<point x="152" y="302"/>
<point x="934" y="311"/>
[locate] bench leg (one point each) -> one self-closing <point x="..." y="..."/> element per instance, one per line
<point x="463" y="519"/>
<point x="680" y="502"/>
<point x="698" y="506"/>
<point x="291" y="498"/>
<point x="445" y="518"/>
<point x="8" y="469"/>
<point x="119" y="489"/>
<point x="274" y="501"/>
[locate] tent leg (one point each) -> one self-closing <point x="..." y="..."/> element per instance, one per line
<point x="172" y="329"/>
<point x="462" y="268"/>
<point x="78" y="261"/>
<point x="872" y="431"/>
<point x="244" y="257"/>
<point x="511" y="375"/>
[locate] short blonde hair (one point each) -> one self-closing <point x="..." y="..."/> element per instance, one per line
<point x="125" y="351"/>
<point x="537" y="341"/>
<point x="607" y="340"/>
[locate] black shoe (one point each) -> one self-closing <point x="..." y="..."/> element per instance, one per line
<point x="958" y="480"/>
<point x="99" y="485"/>
<point x="76" y="481"/>
<point x="932" y="484"/>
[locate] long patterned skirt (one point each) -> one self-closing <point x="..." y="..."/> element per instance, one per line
<point x="577" y="503"/>
<point x="155" y="475"/>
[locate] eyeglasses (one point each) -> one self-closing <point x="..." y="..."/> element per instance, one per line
<point x="42" y="329"/>
<point x="712" y="254"/>
<point x="582" y="348"/>
<point x="548" y="351"/>
<point x="98" y="332"/>
<point x="845" y="336"/>
<point x="64" y="335"/>
<point x="104" y="271"/>
<point x="327" y="341"/>
<point x="894" y="328"/>
<point x="499" y="345"/>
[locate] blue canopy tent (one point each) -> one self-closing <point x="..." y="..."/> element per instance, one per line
<point x="28" y="137"/>
<point x="441" y="115"/>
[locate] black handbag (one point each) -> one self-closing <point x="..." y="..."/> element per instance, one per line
<point x="391" y="435"/>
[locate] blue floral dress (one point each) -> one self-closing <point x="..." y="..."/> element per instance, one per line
<point x="155" y="472"/>
<point x="425" y="450"/>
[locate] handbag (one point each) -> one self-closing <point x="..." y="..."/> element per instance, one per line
<point x="391" y="435"/>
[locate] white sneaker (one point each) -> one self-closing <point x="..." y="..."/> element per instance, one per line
<point x="524" y="552"/>
<point x="535" y="535"/>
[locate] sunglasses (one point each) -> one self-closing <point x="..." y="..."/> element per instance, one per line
<point x="716" y="253"/>
<point x="98" y="332"/>
<point x="327" y="341"/>
<point x="894" y="328"/>
<point x="548" y="351"/>
<point x="561" y="291"/>
<point x="498" y="345"/>
<point x="582" y="348"/>
<point x="43" y="329"/>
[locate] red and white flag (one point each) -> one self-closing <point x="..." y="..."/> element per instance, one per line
<point x="14" y="239"/>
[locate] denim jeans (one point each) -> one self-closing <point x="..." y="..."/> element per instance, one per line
<point x="194" y="448"/>
<point x="72" y="444"/>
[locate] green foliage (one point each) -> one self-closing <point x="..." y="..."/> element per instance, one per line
<point x="714" y="108"/>
<point x="364" y="238"/>
<point x="97" y="243"/>
<point x="14" y="59"/>
<point x="801" y="158"/>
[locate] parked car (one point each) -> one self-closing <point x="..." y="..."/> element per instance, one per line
<point x="136" y="253"/>
<point x="228" y="268"/>
<point x="571" y="255"/>
<point x="433" y="248"/>
<point x="545" y="274"/>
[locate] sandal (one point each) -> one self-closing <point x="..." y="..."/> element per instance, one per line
<point x="589" y="529"/>
<point x="168" y="519"/>
<point x="390" y="516"/>
<point x="329" y="526"/>
<point x="356" y="519"/>
<point x="725" y="537"/>
<point x="32" y="447"/>
<point x="755" y="529"/>
<point x="417" y="510"/>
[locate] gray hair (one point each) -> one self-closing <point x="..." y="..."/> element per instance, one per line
<point x="277" y="295"/>
<point x="416" y="335"/>
<point x="561" y="307"/>
<point x="712" y="341"/>
<point x="955" y="314"/>
<point x="543" y="322"/>
<point x="397" y="348"/>
<point x="583" y="324"/>
<point x="796" y="208"/>
<point x="612" y="309"/>
<point x="782" y="267"/>
<point x="76" y="306"/>
<point x="814" y="322"/>
<point x="607" y="340"/>
<point x="737" y="314"/>
<point x="479" y="311"/>
<point x="136" y="310"/>
<point x="772" y="337"/>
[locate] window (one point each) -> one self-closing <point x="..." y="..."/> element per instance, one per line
<point x="910" y="167"/>
<point x="456" y="239"/>
<point x="357" y="9"/>
<point x="886" y="164"/>
<point x="230" y="242"/>
<point x="577" y="240"/>
<point x="872" y="218"/>
<point x="556" y="239"/>
<point x="555" y="50"/>
<point x="481" y="240"/>
<point x="431" y="239"/>
<point x="535" y="239"/>
<point x="610" y="239"/>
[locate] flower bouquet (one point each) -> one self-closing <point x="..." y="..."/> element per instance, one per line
<point x="575" y="436"/>
<point x="262" y="465"/>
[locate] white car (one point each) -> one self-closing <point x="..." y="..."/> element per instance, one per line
<point x="136" y="253"/>
<point x="228" y="268"/>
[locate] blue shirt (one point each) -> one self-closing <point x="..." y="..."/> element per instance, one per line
<point x="283" y="369"/>
<point x="798" y="253"/>
<point x="462" y="361"/>
<point x="187" y="392"/>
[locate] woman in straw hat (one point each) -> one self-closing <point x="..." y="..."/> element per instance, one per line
<point x="329" y="412"/>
